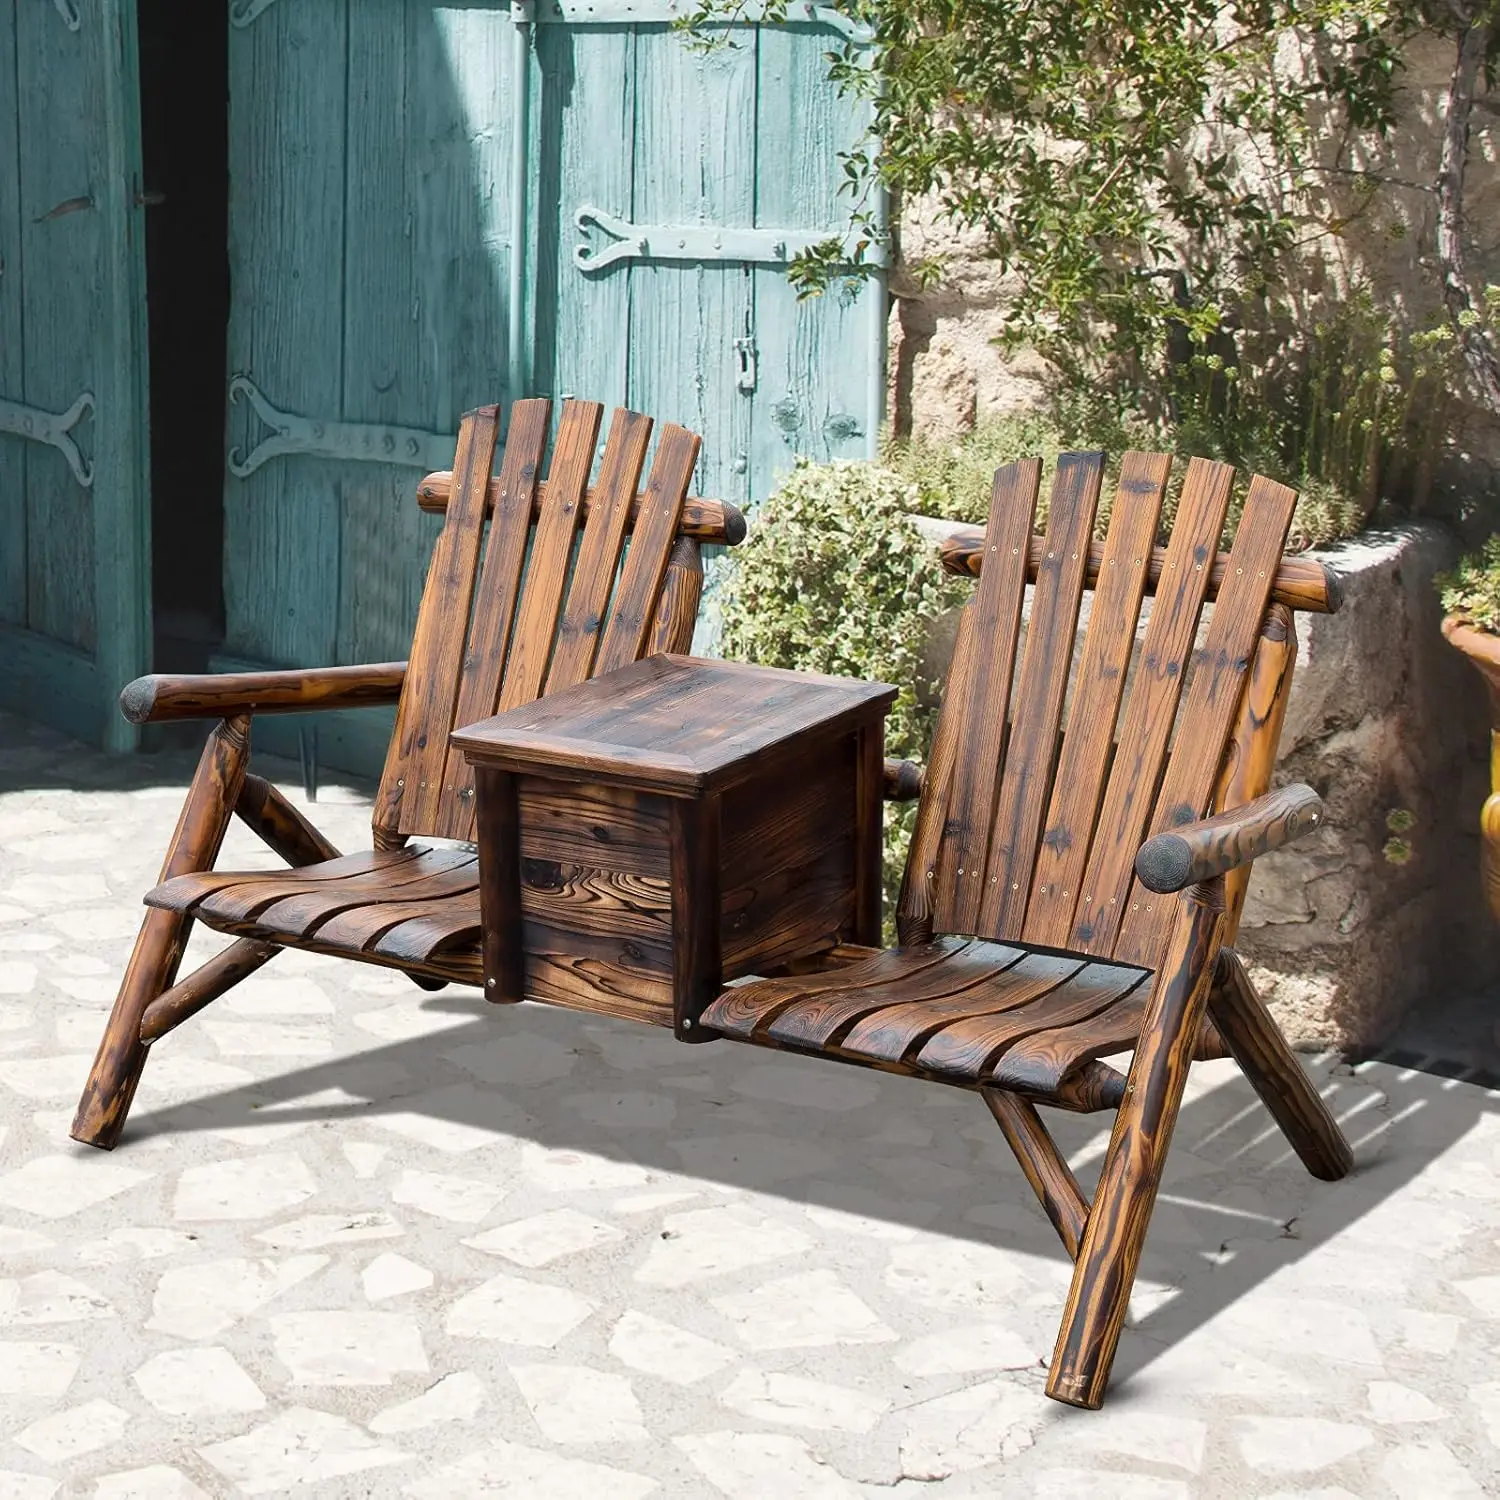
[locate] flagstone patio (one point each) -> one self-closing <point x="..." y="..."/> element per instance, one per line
<point x="360" y="1240"/>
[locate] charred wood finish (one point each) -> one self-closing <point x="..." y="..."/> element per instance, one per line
<point x="715" y="521"/>
<point x="117" y="1068"/>
<point x="685" y="822"/>
<point x="1031" y="949"/>
<point x="152" y="700"/>
<point x="1229" y="840"/>
<point x="530" y="581"/>
<point x="1298" y="584"/>
<point x="1104" y="1271"/>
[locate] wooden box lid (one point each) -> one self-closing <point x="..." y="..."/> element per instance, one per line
<point x="672" y="723"/>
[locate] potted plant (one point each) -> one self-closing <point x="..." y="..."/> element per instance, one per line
<point x="1471" y="601"/>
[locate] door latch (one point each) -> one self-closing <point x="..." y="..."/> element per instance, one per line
<point x="749" y="367"/>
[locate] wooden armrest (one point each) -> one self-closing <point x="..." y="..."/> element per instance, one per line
<point x="903" y="781"/>
<point x="1200" y="851"/>
<point x="217" y="695"/>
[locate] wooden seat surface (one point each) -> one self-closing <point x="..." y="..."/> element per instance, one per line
<point x="403" y="907"/>
<point x="963" y="1010"/>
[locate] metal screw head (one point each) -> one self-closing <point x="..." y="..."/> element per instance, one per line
<point x="489" y="984"/>
<point x="687" y="1023"/>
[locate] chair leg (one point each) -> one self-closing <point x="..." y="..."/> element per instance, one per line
<point x="1115" y="1233"/>
<point x="116" y="1073"/>
<point x="1255" y="1042"/>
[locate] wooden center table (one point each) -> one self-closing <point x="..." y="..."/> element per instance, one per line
<point x="654" y="832"/>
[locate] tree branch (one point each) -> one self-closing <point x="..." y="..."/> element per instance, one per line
<point x="1479" y="354"/>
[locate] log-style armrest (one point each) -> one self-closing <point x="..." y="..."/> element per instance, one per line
<point x="903" y="781"/>
<point x="216" y="695"/>
<point x="1174" y="860"/>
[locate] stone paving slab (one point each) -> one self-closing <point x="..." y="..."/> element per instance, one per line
<point x="365" y="1241"/>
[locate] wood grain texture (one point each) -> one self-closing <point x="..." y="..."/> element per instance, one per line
<point x="1206" y="723"/>
<point x="1105" y="1267"/>
<point x="495" y="609"/>
<point x="902" y="781"/>
<point x="714" y="522"/>
<point x="1299" y="582"/>
<point x="159" y="698"/>
<point x="541" y="603"/>
<point x="117" y="1067"/>
<point x="1051" y="1178"/>
<point x="1251" y="757"/>
<point x="676" y="618"/>
<point x="697" y="953"/>
<point x="203" y="986"/>
<point x="634" y="602"/>
<point x="412" y="784"/>
<point x="1194" y="852"/>
<point x="261" y="807"/>
<point x="1255" y="1042"/>
<point x="1099" y="685"/>
<point x="1151" y="709"/>
<point x="608" y="516"/>
<point x="981" y="699"/>
<point x="1045" y="667"/>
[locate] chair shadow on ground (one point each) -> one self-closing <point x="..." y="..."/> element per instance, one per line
<point x="1263" y="1212"/>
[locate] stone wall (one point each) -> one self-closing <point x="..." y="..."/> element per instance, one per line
<point x="1384" y="714"/>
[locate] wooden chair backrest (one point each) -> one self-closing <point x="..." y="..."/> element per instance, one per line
<point x="549" y="606"/>
<point x="1028" y="833"/>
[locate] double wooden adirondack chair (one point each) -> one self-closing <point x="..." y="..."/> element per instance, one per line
<point x="549" y="607"/>
<point x="1067" y="897"/>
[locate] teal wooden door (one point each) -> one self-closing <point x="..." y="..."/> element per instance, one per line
<point x="74" y="506"/>
<point x="433" y="207"/>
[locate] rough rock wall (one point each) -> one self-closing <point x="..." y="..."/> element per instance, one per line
<point x="945" y="372"/>
<point x="1384" y="714"/>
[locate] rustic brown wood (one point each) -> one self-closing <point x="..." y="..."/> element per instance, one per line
<point x="412" y="783"/>
<point x="1051" y="1178"/>
<point x="1103" y="894"/>
<point x="499" y="829"/>
<point x="540" y="608"/>
<point x="712" y="521"/>
<point x="869" y="829"/>
<point x="158" y="699"/>
<point x="604" y="532"/>
<point x="677" y="611"/>
<point x="684" y="822"/>
<point x="1045" y="665"/>
<point x="1105" y="1267"/>
<point x="1251" y="757"/>
<point x="903" y="781"/>
<point x="1299" y="583"/>
<point x="1099" y="685"/>
<point x="490" y="631"/>
<point x="262" y="808"/>
<point x="981" y="699"/>
<point x="634" y="603"/>
<point x="204" y="985"/>
<point x="698" y="966"/>
<point x="116" y="1071"/>
<point x="1199" y="851"/>
<point x="1255" y="1042"/>
<point x="1206" y="723"/>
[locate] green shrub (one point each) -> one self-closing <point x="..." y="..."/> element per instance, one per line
<point x="1472" y="590"/>
<point x="833" y="577"/>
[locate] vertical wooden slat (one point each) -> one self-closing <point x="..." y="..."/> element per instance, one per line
<point x="983" y="697"/>
<point x="646" y="562"/>
<point x="869" y="821"/>
<point x="1149" y="714"/>
<point x="1045" y="665"/>
<point x="599" y="551"/>
<point x="677" y="606"/>
<point x="1207" y="718"/>
<point x="494" y="607"/>
<point x="411" y="787"/>
<point x="694" y="830"/>
<point x="551" y="551"/>
<point x="1097" y="690"/>
<point x="500" y="887"/>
